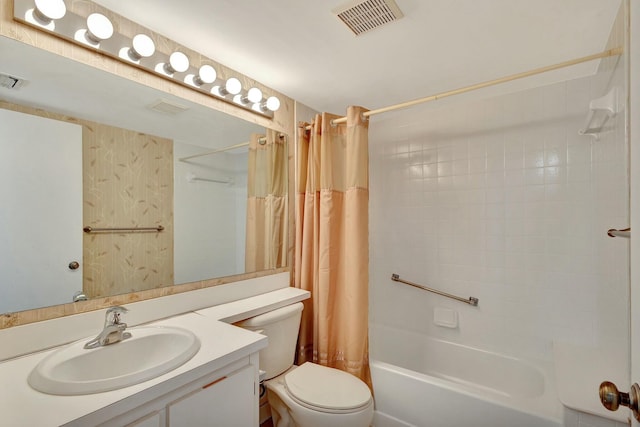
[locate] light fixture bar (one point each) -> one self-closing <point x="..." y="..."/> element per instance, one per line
<point x="97" y="32"/>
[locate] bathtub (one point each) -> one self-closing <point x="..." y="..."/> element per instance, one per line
<point x="421" y="381"/>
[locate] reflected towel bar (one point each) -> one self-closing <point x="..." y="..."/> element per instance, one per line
<point x="471" y="301"/>
<point x="626" y="233"/>
<point x="90" y="229"/>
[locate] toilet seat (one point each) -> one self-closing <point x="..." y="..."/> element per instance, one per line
<point x="325" y="389"/>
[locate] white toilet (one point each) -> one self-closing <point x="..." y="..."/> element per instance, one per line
<point x="309" y="395"/>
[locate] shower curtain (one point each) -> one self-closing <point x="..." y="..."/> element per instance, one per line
<point x="266" y="240"/>
<point x="332" y="242"/>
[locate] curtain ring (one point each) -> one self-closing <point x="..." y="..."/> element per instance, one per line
<point x="333" y="123"/>
<point x="304" y="126"/>
<point x="363" y="117"/>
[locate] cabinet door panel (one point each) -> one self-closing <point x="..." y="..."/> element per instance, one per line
<point x="227" y="402"/>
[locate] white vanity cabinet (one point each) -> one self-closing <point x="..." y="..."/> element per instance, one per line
<point x="227" y="397"/>
<point x="228" y="401"/>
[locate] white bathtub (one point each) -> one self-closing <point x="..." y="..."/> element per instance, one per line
<point x="421" y="381"/>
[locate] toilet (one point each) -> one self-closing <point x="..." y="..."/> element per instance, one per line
<point x="308" y="395"/>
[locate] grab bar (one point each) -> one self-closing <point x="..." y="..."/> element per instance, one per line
<point x="471" y="301"/>
<point x="90" y="229"/>
<point x="619" y="233"/>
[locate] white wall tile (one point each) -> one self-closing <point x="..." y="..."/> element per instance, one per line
<point x="503" y="200"/>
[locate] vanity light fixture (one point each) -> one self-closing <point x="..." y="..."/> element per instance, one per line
<point x="178" y="63"/>
<point x="206" y="75"/>
<point x="77" y="25"/>
<point x="49" y="10"/>
<point x="253" y="96"/>
<point x="272" y="104"/>
<point x="141" y="47"/>
<point x="45" y="13"/>
<point x="99" y="28"/>
<point x="232" y="86"/>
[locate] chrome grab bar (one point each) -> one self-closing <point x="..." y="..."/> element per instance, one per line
<point x="471" y="301"/>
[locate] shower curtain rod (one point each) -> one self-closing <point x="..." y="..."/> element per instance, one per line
<point x="262" y="140"/>
<point x="220" y="150"/>
<point x="605" y="54"/>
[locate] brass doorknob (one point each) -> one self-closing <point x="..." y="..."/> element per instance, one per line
<point x="611" y="398"/>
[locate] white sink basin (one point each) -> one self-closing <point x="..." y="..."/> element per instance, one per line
<point x="150" y="352"/>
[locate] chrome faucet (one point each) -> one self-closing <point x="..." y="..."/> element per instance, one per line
<point x="113" y="331"/>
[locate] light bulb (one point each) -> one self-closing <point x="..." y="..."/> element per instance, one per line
<point x="254" y="95"/>
<point x="141" y="47"/>
<point x="233" y="86"/>
<point x="178" y="63"/>
<point x="272" y="103"/>
<point x="99" y="28"/>
<point x="206" y="75"/>
<point x="48" y="10"/>
<point x="239" y="99"/>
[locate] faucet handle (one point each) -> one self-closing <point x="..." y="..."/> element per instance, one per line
<point x="112" y="316"/>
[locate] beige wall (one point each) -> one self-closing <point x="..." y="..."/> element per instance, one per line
<point x="133" y="173"/>
<point x="283" y="121"/>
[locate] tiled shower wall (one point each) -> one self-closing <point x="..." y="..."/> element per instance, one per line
<point x="503" y="200"/>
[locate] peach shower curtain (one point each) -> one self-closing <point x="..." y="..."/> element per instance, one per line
<point x="266" y="240"/>
<point x="332" y="242"/>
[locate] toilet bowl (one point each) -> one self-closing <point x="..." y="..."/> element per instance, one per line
<point x="309" y="395"/>
<point x="317" y="396"/>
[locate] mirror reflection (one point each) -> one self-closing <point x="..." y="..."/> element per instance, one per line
<point x="168" y="191"/>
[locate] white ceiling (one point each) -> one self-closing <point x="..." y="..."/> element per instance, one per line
<point x="301" y="49"/>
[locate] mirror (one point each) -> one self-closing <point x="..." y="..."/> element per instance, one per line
<point x="123" y="170"/>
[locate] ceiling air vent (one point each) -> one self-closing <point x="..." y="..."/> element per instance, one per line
<point x="167" y="107"/>
<point x="363" y="16"/>
<point x="11" y="82"/>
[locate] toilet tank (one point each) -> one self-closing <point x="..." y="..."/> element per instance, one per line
<point x="281" y="326"/>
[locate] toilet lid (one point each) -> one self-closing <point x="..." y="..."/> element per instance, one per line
<point x="327" y="388"/>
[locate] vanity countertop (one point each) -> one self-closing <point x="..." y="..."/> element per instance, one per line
<point x="221" y="344"/>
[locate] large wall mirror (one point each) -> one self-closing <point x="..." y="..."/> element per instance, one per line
<point x="81" y="148"/>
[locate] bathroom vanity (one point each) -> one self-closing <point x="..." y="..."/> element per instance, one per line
<point x="219" y="382"/>
<point x="219" y="385"/>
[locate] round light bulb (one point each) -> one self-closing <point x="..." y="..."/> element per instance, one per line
<point x="254" y="95"/>
<point x="233" y="86"/>
<point x="98" y="27"/>
<point x="142" y="47"/>
<point x="273" y="103"/>
<point x="178" y="63"/>
<point x="206" y="75"/>
<point x="48" y="10"/>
